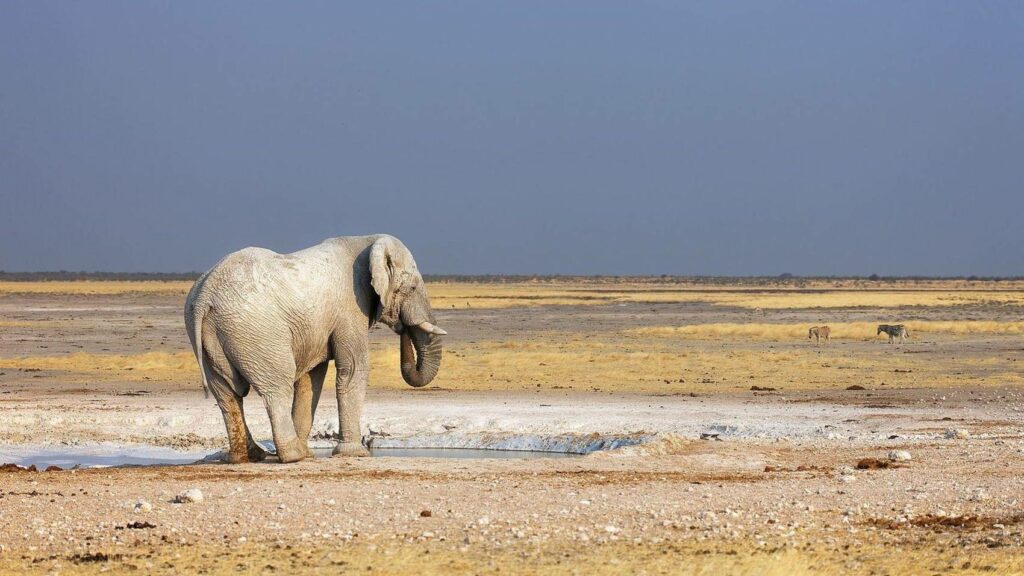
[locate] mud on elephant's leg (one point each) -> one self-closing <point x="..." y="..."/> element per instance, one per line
<point x="289" y="447"/>
<point x="353" y="375"/>
<point x="307" y="396"/>
<point x="241" y="447"/>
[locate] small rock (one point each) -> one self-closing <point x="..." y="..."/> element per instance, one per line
<point x="426" y="513"/>
<point x="143" y="506"/>
<point x="191" y="495"/>
<point x="611" y="529"/>
<point x="899" y="455"/>
<point x="956" y="434"/>
<point x="483" y="521"/>
<point x="847" y="478"/>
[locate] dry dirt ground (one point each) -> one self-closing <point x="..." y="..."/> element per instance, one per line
<point x="774" y="488"/>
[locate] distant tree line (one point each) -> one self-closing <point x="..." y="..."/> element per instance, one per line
<point x="66" y="276"/>
<point x="782" y="279"/>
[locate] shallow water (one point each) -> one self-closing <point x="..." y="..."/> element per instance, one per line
<point x="98" y="457"/>
<point x="465" y="453"/>
<point x="152" y="456"/>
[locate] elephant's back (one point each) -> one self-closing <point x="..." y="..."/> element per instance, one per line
<point x="242" y="274"/>
<point x="256" y="282"/>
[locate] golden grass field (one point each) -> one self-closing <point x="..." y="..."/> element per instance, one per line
<point x="456" y="295"/>
<point x="839" y="330"/>
<point x="703" y="357"/>
<point x="592" y="366"/>
<point x="687" y="559"/>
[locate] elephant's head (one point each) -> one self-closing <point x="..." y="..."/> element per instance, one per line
<point x="405" y="308"/>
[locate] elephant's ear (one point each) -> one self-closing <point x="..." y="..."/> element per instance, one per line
<point x="381" y="272"/>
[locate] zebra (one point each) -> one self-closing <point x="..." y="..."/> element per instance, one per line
<point x="819" y="332"/>
<point x="894" y="331"/>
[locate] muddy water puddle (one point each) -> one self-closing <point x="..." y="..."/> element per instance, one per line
<point x="71" y="457"/>
<point x="465" y="453"/>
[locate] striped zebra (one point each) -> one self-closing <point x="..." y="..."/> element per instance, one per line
<point x="818" y="332"/>
<point x="894" y="331"/>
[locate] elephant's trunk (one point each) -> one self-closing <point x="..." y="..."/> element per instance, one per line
<point x="419" y="369"/>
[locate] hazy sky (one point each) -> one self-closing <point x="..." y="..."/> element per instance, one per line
<point x="517" y="137"/>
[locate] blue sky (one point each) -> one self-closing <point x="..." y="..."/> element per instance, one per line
<point x="523" y="137"/>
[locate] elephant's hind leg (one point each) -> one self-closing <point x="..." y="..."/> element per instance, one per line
<point x="307" y="396"/>
<point x="241" y="446"/>
<point x="272" y="375"/>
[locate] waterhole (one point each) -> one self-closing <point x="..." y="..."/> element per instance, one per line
<point x="153" y="456"/>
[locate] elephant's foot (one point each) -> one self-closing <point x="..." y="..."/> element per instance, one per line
<point x="256" y="453"/>
<point x="252" y="454"/>
<point x="293" y="451"/>
<point x="350" y="449"/>
<point x="236" y="458"/>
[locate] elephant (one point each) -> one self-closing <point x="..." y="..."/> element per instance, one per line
<point x="272" y="322"/>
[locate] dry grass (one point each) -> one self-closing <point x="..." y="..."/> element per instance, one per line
<point x="704" y="358"/>
<point x="461" y="296"/>
<point x="639" y="363"/>
<point x="456" y="295"/>
<point x="127" y="367"/>
<point x="684" y="557"/>
<point x="839" y="330"/>
<point x="93" y="287"/>
<point x="27" y="323"/>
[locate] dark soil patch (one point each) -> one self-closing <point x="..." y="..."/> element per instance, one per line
<point x="872" y="464"/>
<point x="940" y="523"/>
<point x="800" y="468"/>
<point x="92" y="558"/>
<point x="136" y="526"/>
<point x="15" y="468"/>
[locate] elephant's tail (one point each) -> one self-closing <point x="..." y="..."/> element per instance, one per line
<point x="199" y="311"/>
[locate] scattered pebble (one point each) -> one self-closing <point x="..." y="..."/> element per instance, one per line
<point x="899" y="455"/>
<point x="957" y="434"/>
<point x="189" y="496"/>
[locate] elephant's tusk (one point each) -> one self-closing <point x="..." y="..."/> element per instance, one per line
<point x="431" y="329"/>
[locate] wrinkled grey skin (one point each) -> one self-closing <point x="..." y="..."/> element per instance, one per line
<point x="272" y="321"/>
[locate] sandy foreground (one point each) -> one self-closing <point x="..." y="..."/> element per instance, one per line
<point x="807" y="478"/>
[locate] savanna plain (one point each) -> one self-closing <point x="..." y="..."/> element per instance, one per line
<point x="746" y="447"/>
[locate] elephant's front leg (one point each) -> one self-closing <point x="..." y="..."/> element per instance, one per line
<point x="353" y="367"/>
